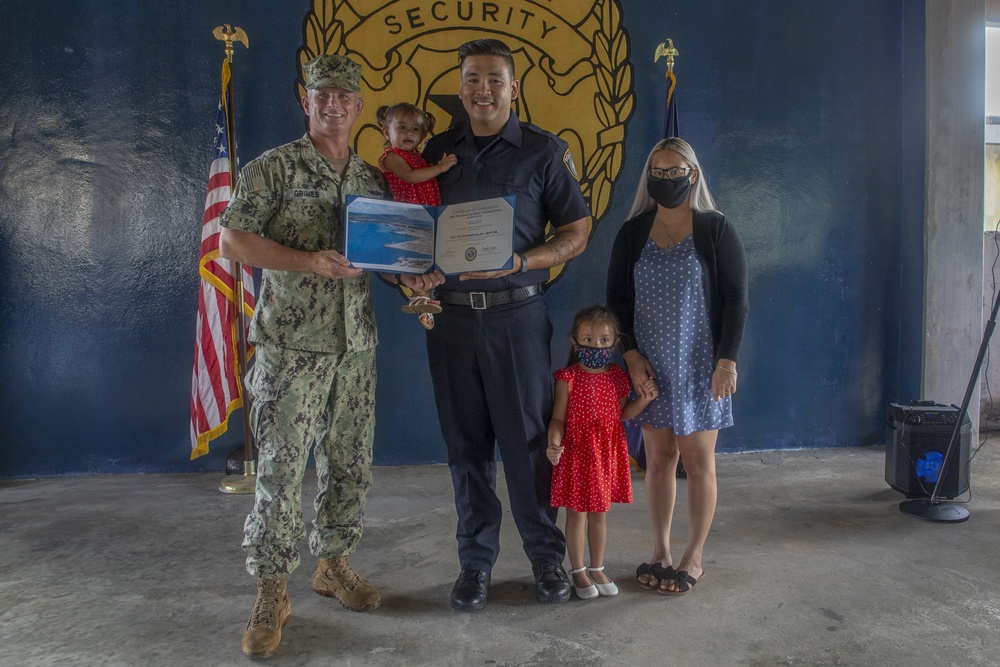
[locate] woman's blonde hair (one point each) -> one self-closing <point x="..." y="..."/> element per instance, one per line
<point x="701" y="198"/>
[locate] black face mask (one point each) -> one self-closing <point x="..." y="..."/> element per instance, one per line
<point x="670" y="193"/>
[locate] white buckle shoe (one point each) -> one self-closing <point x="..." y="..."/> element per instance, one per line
<point x="607" y="590"/>
<point x="587" y="592"/>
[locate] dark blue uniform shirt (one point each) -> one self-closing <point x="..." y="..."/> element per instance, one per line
<point x="525" y="161"/>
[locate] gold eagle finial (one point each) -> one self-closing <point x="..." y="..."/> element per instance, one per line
<point x="224" y="33"/>
<point x="667" y="49"/>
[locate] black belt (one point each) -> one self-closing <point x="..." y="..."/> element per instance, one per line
<point x="483" y="300"/>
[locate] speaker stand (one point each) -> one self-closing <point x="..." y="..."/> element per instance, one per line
<point x="932" y="509"/>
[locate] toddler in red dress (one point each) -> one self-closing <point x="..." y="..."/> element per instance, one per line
<point x="587" y="444"/>
<point x="411" y="179"/>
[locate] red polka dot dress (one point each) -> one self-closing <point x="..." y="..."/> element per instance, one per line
<point x="426" y="193"/>
<point x="593" y="471"/>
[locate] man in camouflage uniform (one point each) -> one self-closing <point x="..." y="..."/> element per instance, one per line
<point x="313" y="381"/>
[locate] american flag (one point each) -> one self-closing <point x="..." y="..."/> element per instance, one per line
<point x="216" y="390"/>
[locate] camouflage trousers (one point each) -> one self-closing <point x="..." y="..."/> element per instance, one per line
<point x="301" y="399"/>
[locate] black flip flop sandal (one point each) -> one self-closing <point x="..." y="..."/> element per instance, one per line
<point x="656" y="570"/>
<point x="684" y="581"/>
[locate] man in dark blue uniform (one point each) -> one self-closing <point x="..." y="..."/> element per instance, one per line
<point x="489" y="354"/>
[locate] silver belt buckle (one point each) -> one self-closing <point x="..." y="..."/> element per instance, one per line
<point x="477" y="300"/>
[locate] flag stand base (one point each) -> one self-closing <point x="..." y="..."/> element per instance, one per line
<point x="241" y="484"/>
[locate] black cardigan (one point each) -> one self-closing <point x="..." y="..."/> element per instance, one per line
<point x="724" y="270"/>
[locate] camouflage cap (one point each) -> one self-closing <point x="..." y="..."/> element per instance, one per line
<point x="332" y="71"/>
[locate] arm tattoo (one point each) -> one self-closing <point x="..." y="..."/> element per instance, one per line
<point x="561" y="247"/>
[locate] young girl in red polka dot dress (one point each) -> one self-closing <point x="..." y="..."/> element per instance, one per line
<point x="587" y="444"/>
<point x="410" y="177"/>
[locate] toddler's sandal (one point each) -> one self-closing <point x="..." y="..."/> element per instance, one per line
<point x="422" y="304"/>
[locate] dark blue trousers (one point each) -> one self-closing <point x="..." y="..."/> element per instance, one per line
<point x="493" y="387"/>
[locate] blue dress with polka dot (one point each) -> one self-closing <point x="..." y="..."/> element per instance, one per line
<point x="672" y="332"/>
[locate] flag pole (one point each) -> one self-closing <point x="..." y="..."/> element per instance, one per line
<point x="633" y="434"/>
<point x="671" y="128"/>
<point x="245" y="483"/>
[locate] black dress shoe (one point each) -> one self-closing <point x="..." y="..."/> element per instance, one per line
<point x="470" y="591"/>
<point x="551" y="583"/>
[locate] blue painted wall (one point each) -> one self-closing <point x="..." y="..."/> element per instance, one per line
<point x="808" y="118"/>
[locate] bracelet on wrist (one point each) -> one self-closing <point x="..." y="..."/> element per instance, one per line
<point x="733" y="373"/>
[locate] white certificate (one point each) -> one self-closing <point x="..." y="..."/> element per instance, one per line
<point x="395" y="237"/>
<point x="475" y="236"/>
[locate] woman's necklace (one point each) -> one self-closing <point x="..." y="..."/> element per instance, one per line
<point x="666" y="230"/>
<point x="670" y="236"/>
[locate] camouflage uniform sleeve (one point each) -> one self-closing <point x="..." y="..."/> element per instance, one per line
<point x="256" y="198"/>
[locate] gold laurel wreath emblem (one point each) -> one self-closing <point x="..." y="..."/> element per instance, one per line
<point x="329" y="26"/>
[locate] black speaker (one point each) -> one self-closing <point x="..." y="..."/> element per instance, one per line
<point x="916" y="442"/>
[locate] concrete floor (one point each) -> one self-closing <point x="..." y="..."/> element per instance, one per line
<point x="809" y="563"/>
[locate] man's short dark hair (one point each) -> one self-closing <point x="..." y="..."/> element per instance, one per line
<point x="486" y="47"/>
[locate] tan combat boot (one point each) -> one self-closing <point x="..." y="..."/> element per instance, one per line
<point x="335" y="578"/>
<point x="271" y="612"/>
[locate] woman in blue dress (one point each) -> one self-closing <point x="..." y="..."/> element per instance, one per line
<point x="677" y="281"/>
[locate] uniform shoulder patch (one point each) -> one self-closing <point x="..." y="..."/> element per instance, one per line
<point x="252" y="177"/>
<point x="568" y="161"/>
